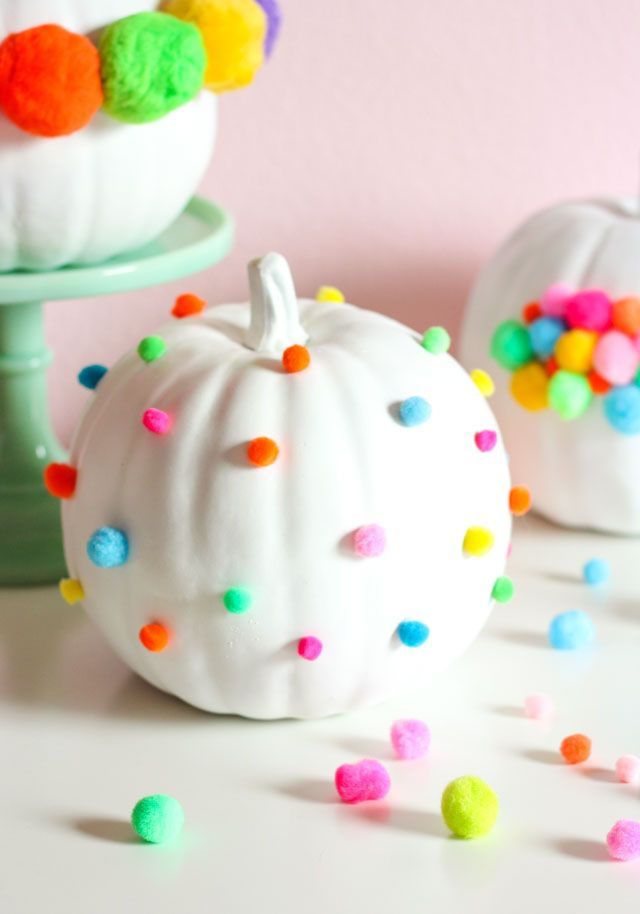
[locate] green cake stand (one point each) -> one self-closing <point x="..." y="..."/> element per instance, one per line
<point x="30" y="535"/>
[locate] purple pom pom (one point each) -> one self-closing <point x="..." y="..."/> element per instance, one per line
<point x="274" y="18"/>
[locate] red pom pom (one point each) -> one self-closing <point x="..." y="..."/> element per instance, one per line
<point x="551" y="366"/>
<point x="262" y="452"/>
<point x="531" y="312"/>
<point x="187" y="305"/>
<point x="154" y="637"/>
<point x="60" y="480"/>
<point x="50" y="81"/>
<point x="296" y="358"/>
<point x="598" y="384"/>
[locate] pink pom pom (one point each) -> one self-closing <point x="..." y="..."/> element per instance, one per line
<point x="366" y="780"/>
<point x="554" y="300"/>
<point x="370" y="541"/>
<point x="310" y="648"/>
<point x="485" y="440"/>
<point x="538" y="706"/>
<point x="589" y="310"/>
<point x="410" y="738"/>
<point x="628" y="769"/>
<point x="623" y="840"/>
<point x="615" y="358"/>
<point x="157" y="421"/>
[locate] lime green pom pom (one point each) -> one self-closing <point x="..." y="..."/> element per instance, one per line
<point x="152" y="348"/>
<point x="569" y="394"/>
<point x="157" y="819"/>
<point x="503" y="590"/>
<point x="237" y="600"/>
<point x="511" y="345"/>
<point x="152" y="63"/>
<point x="436" y="340"/>
<point x="469" y="807"/>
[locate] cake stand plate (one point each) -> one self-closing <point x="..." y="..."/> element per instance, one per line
<point x="30" y="535"/>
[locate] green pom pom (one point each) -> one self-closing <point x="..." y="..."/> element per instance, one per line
<point x="503" y="590"/>
<point x="152" y="348"/>
<point x="157" y="819"/>
<point x="469" y="807"/>
<point x="511" y="345"/>
<point x="569" y="394"/>
<point x="436" y="340"/>
<point x="152" y="63"/>
<point x="237" y="600"/>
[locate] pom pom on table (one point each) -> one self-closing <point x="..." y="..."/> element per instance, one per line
<point x="151" y="65"/>
<point x="295" y="359"/>
<point x="366" y="780"/>
<point x="60" y="480"/>
<point x="483" y="381"/>
<point x="91" y="375"/>
<point x="414" y="411"/>
<point x="410" y="738"/>
<point x="157" y="819"/>
<point x="262" y="452"/>
<point x="575" y="748"/>
<point x="330" y="294"/>
<point x="626" y="316"/>
<point x="274" y="24"/>
<point x="154" y="637"/>
<point x="571" y="630"/>
<point x="436" y="340"/>
<point x="511" y="345"/>
<point x="530" y="387"/>
<point x="554" y="301"/>
<point x="628" y="769"/>
<point x="569" y="394"/>
<point x="503" y="590"/>
<point x="519" y="500"/>
<point x="544" y="334"/>
<point x="616" y="358"/>
<point x="485" y="440"/>
<point x="622" y="409"/>
<point x="187" y="305"/>
<point x="71" y="591"/>
<point x="623" y="841"/>
<point x="157" y="421"/>
<point x="477" y="541"/>
<point x="589" y="309"/>
<point x="309" y="648"/>
<point x="151" y="348"/>
<point x="469" y="807"/>
<point x="49" y="80"/>
<point x="370" y="541"/>
<point x="413" y="633"/>
<point x="538" y="706"/>
<point x="108" y="547"/>
<point x="237" y="600"/>
<point x="596" y="572"/>
<point x="575" y="350"/>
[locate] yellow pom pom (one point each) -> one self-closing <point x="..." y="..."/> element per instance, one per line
<point x="529" y="386"/>
<point x="574" y="350"/>
<point x="71" y="591"/>
<point x="329" y="293"/>
<point x="233" y="32"/>
<point x="477" y="541"/>
<point x="483" y="381"/>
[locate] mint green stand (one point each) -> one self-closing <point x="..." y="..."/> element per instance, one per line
<point x="30" y="536"/>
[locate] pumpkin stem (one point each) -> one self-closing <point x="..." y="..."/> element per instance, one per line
<point x="275" y="320"/>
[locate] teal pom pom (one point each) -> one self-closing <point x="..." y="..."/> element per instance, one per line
<point x="622" y="409"/>
<point x="237" y="600"/>
<point x="596" y="572"/>
<point x="108" y="547"/>
<point x="511" y="345"/>
<point x="91" y="375"/>
<point x="414" y="411"/>
<point x="571" y="630"/>
<point x="412" y="633"/>
<point x="157" y="819"/>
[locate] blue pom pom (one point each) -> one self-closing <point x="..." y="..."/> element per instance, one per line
<point x="108" y="547"/>
<point x="596" y="572"/>
<point x="91" y="376"/>
<point x="414" y="411"/>
<point x="571" y="630"/>
<point x="622" y="409"/>
<point x="413" y="634"/>
<point x="544" y="334"/>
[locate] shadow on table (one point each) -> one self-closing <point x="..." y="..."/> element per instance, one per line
<point x="583" y="849"/>
<point x="116" y="831"/>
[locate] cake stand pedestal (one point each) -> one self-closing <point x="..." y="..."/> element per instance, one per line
<point x="30" y="535"/>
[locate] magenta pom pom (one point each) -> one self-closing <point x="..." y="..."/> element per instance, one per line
<point x="554" y="300"/>
<point x="538" y="706"/>
<point x="589" y="310"/>
<point x="157" y="421"/>
<point x="370" y="541"/>
<point x="410" y="738"/>
<point x="615" y="358"/>
<point x="366" y="780"/>
<point x="628" y="769"/>
<point x="310" y="648"/>
<point x="623" y="840"/>
<point x="485" y="440"/>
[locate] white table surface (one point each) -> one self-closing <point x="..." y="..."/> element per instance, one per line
<point x="81" y="739"/>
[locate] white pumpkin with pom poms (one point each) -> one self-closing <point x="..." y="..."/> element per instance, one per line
<point x="287" y="509"/>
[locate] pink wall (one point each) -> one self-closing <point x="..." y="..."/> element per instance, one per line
<point x="389" y="153"/>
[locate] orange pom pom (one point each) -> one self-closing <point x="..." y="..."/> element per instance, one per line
<point x="187" y="305"/>
<point x="519" y="500"/>
<point x="598" y="384"/>
<point x="154" y="637"/>
<point x="531" y="312"/>
<point x="626" y="315"/>
<point x="551" y="366"/>
<point x="575" y="748"/>
<point x="60" y="480"/>
<point x="262" y="452"/>
<point x="296" y="358"/>
<point x="50" y="81"/>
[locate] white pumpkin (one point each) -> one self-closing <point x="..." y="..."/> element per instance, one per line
<point x="582" y="473"/>
<point x="200" y="519"/>
<point x="110" y="187"/>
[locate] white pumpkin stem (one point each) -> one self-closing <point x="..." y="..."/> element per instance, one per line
<point x="275" y="320"/>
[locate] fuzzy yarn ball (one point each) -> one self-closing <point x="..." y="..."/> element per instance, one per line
<point x="616" y="358"/>
<point x="571" y="630"/>
<point x="410" y="738"/>
<point x="366" y="780"/>
<point x="622" y="409"/>
<point x="157" y="819"/>
<point x="628" y="769"/>
<point x="60" y="480"/>
<point x="596" y="572"/>
<point x="626" y="315"/>
<point x="262" y="452"/>
<point x="187" y="305"/>
<point x="413" y="633"/>
<point x="569" y="394"/>
<point x="237" y="600"/>
<point x="309" y="648"/>
<point x="554" y="300"/>
<point x="469" y="807"/>
<point x="503" y="590"/>
<point x="574" y="350"/>
<point x="295" y="359"/>
<point x="483" y="381"/>
<point x="485" y="440"/>
<point x="151" y="348"/>
<point x="477" y="541"/>
<point x="436" y="340"/>
<point x="575" y="748"/>
<point x="589" y="309"/>
<point x="108" y="547"/>
<point x="154" y="637"/>
<point x="623" y="841"/>
<point x="519" y="501"/>
<point x="538" y="706"/>
<point x="530" y="387"/>
<point x="71" y="591"/>
<point x="511" y="345"/>
<point x="370" y="541"/>
<point x="157" y="421"/>
<point x="544" y="333"/>
<point x="91" y="375"/>
<point x="414" y="411"/>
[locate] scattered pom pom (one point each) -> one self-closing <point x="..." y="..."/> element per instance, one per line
<point x="589" y="309"/>
<point x="529" y="387"/>
<point x="531" y="312"/>
<point x="623" y="841"/>
<point x="262" y="452"/>
<point x="628" y="769"/>
<point x="309" y="648"/>
<point x="151" y="348"/>
<point x="188" y="305"/>
<point x="544" y="334"/>
<point x="157" y="421"/>
<point x="154" y="637"/>
<point x="477" y="541"/>
<point x="622" y="409"/>
<point x="151" y="65"/>
<point x="469" y="807"/>
<point x="519" y="500"/>
<point x="366" y="780"/>
<point x="616" y="358"/>
<point x="157" y="819"/>
<point x="108" y="547"/>
<point x="71" y="591"/>
<point x="296" y="358"/>
<point x="237" y="600"/>
<point x="574" y="350"/>
<point x="538" y="706"/>
<point x="370" y="540"/>
<point x="503" y="590"/>
<point x="554" y="300"/>
<point x="575" y="748"/>
<point x="410" y="738"/>
<point x="414" y="411"/>
<point x="483" y="381"/>
<point x="60" y="480"/>
<point x="571" y="630"/>
<point x="597" y="384"/>
<point x="413" y="633"/>
<point x="551" y="366"/>
<point x="274" y="23"/>
<point x="485" y="440"/>
<point x="49" y="80"/>
<point x="436" y="340"/>
<point x="330" y="294"/>
<point x="511" y="345"/>
<point x="569" y="394"/>
<point x="91" y="375"/>
<point x="596" y="572"/>
<point x="626" y="316"/>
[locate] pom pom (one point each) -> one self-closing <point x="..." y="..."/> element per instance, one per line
<point x="295" y="358"/>
<point x="366" y="780"/>
<point x="436" y="340"/>
<point x="569" y="394"/>
<point x="330" y="294"/>
<point x="511" y="345"/>
<point x="237" y="600"/>
<point x="108" y="547"/>
<point x="574" y="350"/>
<point x="529" y="387"/>
<point x="597" y="384"/>
<point x="519" y="500"/>
<point x="410" y="738"/>
<point x="157" y="819"/>
<point x="477" y="541"/>
<point x="623" y="841"/>
<point x="503" y="590"/>
<point x="154" y="637"/>
<point x="370" y="540"/>
<point x="262" y="452"/>
<point x="596" y="572"/>
<point x="628" y="769"/>
<point x="60" y="480"/>
<point x="622" y="409"/>
<point x="152" y="348"/>
<point x="157" y="421"/>
<point x="544" y="334"/>
<point x="590" y="309"/>
<point x="538" y="706"/>
<point x="616" y="358"/>
<point x="626" y="315"/>
<point x="151" y="65"/>
<point x="234" y="34"/>
<point x="91" y="375"/>
<point x="551" y="366"/>
<point x="554" y="300"/>
<point x="571" y="630"/>
<point x="187" y="305"/>
<point x="483" y="381"/>
<point x="575" y="748"/>
<point x="309" y="648"/>
<point x="71" y="591"/>
<point x="49" y="80"/>
<point x="531" y="312"/>
<point x="485" y="440"/>
<point x="274" y="24"/>
<point x="414" y="411"/>
<point x="413" y="633"/>
<point x="469" y="807"/>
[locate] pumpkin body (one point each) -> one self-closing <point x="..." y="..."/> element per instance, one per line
<point x="201" y="519"/>
<point x="110" y="187"/>
<point x="582" y="473"/>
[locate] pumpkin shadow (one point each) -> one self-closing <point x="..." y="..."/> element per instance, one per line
<point x="310" y="791"/>
<point x="543" y="756"/>
<point x="583" y="849"/>
<point x="117" y="831"/>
